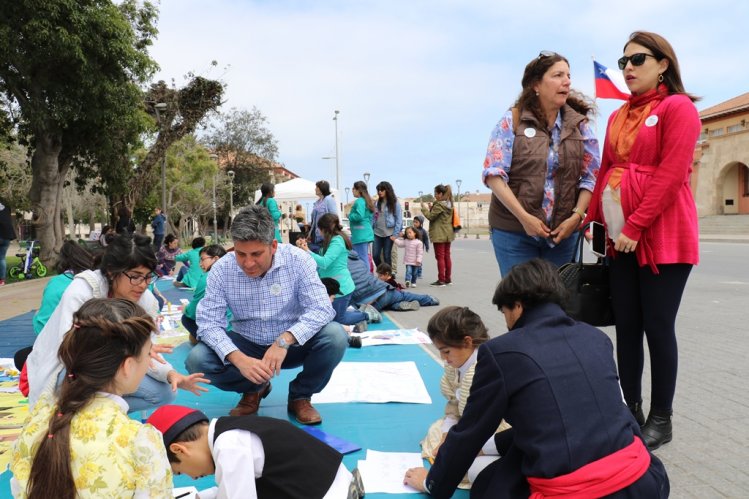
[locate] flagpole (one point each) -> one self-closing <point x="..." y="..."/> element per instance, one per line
<point x="595" y="93"/>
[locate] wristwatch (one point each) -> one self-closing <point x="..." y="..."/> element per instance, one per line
<point x="579" y="213"/>
<point x="281" y="342"/>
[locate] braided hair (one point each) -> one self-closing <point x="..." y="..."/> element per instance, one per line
<point x="104" y="334"/>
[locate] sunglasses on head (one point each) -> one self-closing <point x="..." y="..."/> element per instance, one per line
<point x="635" y="59"/>
<point x="546" y="53"/>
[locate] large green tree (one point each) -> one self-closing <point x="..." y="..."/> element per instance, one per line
<point x="74" y="70"/>
<point x="244" y="144"/>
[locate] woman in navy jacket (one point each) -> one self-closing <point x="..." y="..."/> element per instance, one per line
<point x="554" y="380"/>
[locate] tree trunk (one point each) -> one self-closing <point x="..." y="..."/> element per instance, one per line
<point x="46" y="192"/>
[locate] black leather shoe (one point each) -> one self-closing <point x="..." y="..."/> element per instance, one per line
<point x="636" y="410"/>
<point x="657" y="430"/>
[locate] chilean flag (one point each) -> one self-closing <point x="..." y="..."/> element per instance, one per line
<point x="609" y="83"/>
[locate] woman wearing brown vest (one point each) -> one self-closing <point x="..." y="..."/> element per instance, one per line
<point x="541" y="165"/>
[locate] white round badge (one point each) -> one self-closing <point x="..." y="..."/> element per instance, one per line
<point x="275" y="289"/>
<point x="652" y="120"/>
<point x="529" y="132"/>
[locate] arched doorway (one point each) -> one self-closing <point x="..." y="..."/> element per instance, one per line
<point x="734" y="192"/>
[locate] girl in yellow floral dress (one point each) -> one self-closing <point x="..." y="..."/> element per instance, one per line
<point x="80" y="443"/>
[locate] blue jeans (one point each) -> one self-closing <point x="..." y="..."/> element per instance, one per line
<point x="158" y="239"/>
<point x="513" y="248"/>
<point x="4" y="245"/>
<point x="412" y="273"/>
<point x="362" y="249"/>
<point x="150" y="394"/>
<point x="382" y="245"/>
<point x="344" y="316"/>
<point x="318" y="357"/>
<point x="392" y="297"/>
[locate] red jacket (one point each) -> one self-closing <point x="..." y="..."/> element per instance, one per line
<point x="659" y="209"/>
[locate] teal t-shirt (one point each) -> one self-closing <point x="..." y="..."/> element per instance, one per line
<point x="361" y="222"/>
<point x="194" y="272"/>
<point x="191" y="308"/>
<point x="51" y="297"/>
<point x="334" y="263"/>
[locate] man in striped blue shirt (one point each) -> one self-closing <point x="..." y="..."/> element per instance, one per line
<point x="282" y="319"/>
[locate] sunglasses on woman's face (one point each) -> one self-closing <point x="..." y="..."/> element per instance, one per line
<point x="636" y="59"/>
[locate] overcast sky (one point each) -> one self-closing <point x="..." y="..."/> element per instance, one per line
<point x="420" y="84"/>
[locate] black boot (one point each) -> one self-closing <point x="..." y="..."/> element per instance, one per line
<point x="657" y="430"/>
<point x="636" y="410"/>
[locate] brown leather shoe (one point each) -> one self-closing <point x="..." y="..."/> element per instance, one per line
<point x="250" y="402"/>
<point x="304" y="412"/>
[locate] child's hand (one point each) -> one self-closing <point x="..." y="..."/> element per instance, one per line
<point x="415" y="478"/>
<point x="189" y="382"/>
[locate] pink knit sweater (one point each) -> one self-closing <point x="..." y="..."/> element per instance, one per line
<point x="414" y="250"/>
<point x="657" y="201"/>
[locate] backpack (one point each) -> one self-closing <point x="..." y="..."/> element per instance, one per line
<point x="456" y="221"/>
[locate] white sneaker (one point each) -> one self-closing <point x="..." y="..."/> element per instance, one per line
<point x="413" y="284"/>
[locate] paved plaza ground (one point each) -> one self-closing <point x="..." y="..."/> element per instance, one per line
<point x="709" y="455"/>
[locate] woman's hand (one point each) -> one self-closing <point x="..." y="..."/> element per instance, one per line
<point x="415" y="478"/>
<point x="566" y="228"/>
<point x="534" y="227"/>
<point x="625" y="244"/>
<point x="189" y="382"/>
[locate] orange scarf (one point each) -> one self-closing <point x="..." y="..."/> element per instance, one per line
<point x="627" y="124"/>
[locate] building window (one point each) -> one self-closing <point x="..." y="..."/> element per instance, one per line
<point x="703" y="136"/>
<point x="734" y="128"/>
<point x="717" y="132"/>
<point x="745" y="183"/>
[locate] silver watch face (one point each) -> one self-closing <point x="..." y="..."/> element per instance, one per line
<point x="281" y="342"/>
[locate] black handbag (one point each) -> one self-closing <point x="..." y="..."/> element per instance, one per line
<point x="589" y="292"/>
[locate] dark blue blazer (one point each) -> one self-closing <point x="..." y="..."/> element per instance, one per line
<point x="555" y="381"/>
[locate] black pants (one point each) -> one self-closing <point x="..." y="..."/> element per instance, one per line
<point x="646" y="304"/>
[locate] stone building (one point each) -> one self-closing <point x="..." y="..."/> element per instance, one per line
<point x="720" y="180"/>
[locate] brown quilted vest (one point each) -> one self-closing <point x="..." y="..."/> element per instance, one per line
<point x="529" y="167"/>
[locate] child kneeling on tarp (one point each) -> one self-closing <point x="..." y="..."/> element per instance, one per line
<point x="286" y="461"/>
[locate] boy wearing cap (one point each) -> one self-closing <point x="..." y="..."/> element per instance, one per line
<point x="286" y="461"/>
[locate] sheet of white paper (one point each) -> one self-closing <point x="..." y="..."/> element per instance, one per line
<point x="384" y="471"/>
<point x="393" y="337"/>
<point x="395" y="382"/>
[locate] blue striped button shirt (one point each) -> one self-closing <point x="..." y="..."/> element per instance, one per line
<point x="289" y="297"/>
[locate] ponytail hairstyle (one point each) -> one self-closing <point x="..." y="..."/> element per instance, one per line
<point x="330" y="227"/>
<point x="361" y="188"/>
<point x="104" y="334"/>
<point x="452" y="324"/>
<point x="266" y="191"/>
<point x="446" y="191"/>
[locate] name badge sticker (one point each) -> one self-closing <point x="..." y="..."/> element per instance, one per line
<point x="652" y="120"/>
<point x="275" y="289"/>
<point x="529" y="132"/>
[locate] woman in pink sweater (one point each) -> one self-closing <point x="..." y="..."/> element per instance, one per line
<point x="643" y="197"/>
<point x="412" y="256"/>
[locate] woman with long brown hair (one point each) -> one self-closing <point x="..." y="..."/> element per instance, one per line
<point x="80" y="442"/>
<point x="332" y="261"/>
<point x="643" y="197"/>
<point x="360" y="217"/>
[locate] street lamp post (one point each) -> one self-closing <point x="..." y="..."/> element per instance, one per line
<point x="458" y="182"/>
<point x="213" y="204"/>
<point x="230" y="173"/>
<point x="158" y="107"/>
<point x="366" y="178"/>
<point x="347" y="189"/>
<point x="337" y="168"/>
